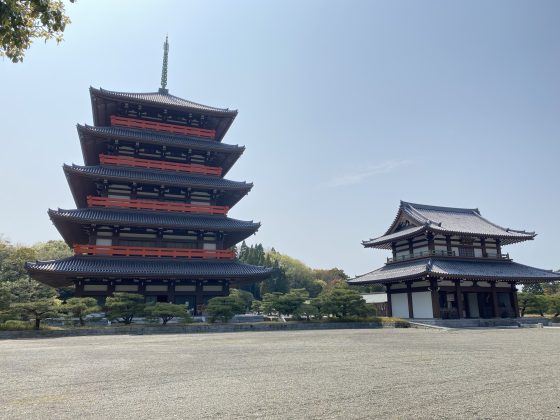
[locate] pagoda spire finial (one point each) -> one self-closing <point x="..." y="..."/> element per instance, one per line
<point x="163" y="88"/>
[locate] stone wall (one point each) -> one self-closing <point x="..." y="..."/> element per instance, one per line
<point x="198" y="328"/>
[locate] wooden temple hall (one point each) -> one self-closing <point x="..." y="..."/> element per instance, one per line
<point x="450" y="263"/>
<point x="152" y="202"/>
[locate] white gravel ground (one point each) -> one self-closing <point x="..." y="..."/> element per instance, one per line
<point x="389" y="373"/>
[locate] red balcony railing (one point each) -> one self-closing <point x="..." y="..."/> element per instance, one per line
<point x="157" y="126"/>
<point x="158" y="164"/>
<point x="154" y="205"/>
<point x="140" y="251"/>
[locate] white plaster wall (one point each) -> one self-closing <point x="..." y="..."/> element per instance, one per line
<point x="399" y="303"/>
<point x="422" y="305"/>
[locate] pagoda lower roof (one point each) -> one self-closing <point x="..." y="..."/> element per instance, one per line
<point x="77" y="175"/>
<point x="157" y="137"/>
<point x="158" y="176"/>
<point x="68" y="222"/>
<point x="456" y="269"/>
<point x="60" y="273"/>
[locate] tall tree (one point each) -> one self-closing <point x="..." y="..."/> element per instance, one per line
<point x="23" y="20"/>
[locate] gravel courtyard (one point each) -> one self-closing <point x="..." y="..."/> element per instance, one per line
<point x="390" y="373"/>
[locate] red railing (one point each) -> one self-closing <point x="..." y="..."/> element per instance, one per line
<point x="140" y="251"/>
<point x="154" y="205"/>
<point x="158" y="164"/>
<point x="157" y="126"/>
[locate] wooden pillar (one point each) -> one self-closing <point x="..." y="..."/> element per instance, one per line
<point x="79" y="288"/>
<point x="435" y="298"/>
<point x="171" y="292"/>
<point x="514" y="302"/>
<point x="459" y="297"/>
<point x="111" y="288"/>
<point x="409" y="295"/>
<point x="389" y="304"/>
<point x="226" y="288"/>
<point x="431" y="246"/>
<point x="394" y="249"/>
<point x="448" y="244"/>
<point x="495" y="300"/>
<point x="410" y="247"/>
<point x="142" y="287"/>
<point x="199" y="297"/>
<point x="499" y="247"/>
<point x="483" y="246"/>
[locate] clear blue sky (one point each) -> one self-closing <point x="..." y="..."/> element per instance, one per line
<point x="345" y="108"/>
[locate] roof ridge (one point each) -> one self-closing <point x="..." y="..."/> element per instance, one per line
<point x="415" y="206"/>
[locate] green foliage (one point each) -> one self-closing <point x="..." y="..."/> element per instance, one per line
<point x="554" y="305"/>
<point x="167" y="311"/>
<point x="307" y="311"/>
<point x="341" y="303"/>
<point x="256" y="306"/>
<point x="37" y="310"/>
<point x="23" y="20"/>
<point x="15" y="325"/>
<point x="551" y="288"/>
<point x="26" y="290"/>
<point x="535" y="289"/>
<point x="244" y="296"/>
<point x="51" y="250"/>
<point x="80" y="307"/>
<point x="223" y="308"/>
<point x="532" y="303"/>
<point x="125" y="306"/>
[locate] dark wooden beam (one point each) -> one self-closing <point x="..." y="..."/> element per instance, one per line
<point x="495" y="299"/>
<point x="389" y="303"/>
<point x="409" y="296"/>
<point x="435" y="298"/>
<point x="515" y="303"/>
<point x="459" y="297"/>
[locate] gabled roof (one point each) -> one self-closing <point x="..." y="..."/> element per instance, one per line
<point x="457" y="269"/>
<point x="162" y="99"/>
<point x="60" y="273"/>
<point x="69" y="222"/>
<point x="445" y="220"/>
<point x="92" y="138"/>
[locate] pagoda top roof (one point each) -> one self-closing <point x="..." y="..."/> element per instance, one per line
<point x="162" y="98"/>
<point x="456" y="269"/>
<point x="59" y="273"/>
<point x="412" y="219"/>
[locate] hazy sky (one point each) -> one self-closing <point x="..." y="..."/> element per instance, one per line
<point x="345" y="108"/>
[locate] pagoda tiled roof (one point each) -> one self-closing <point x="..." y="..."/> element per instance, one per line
<point x="457" y="269"/>
<point x="159" y="138"/>
<point x="157" y="176"/>
<point x="68" y="222"/>
<point x="162" y="99"/>
<point x="59" y="273"/>
<point x="446" y="221"/>
<point x="153" y="218"/>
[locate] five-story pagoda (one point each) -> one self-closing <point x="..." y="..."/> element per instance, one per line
<point x="152" y="203"/>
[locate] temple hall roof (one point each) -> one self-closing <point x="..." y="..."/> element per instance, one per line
<point x="457" y="269"/>
<point x="59" y="273"/>
<point x="445" y="220"/>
